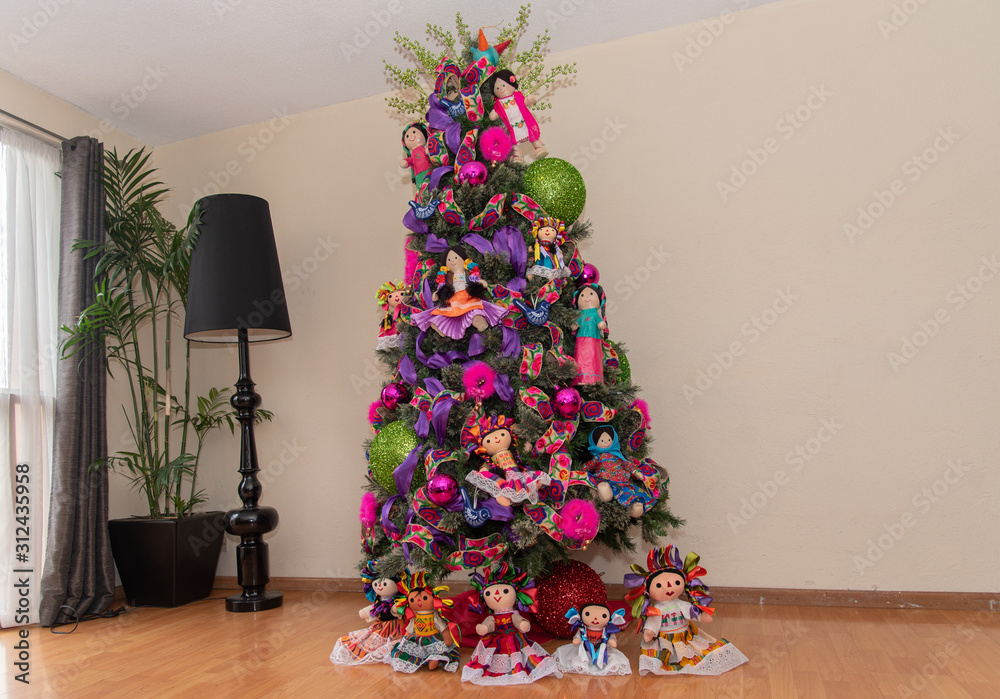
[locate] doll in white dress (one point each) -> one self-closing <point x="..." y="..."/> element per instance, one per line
<point x="671" y="643"/>
<point x="594" y="650"/>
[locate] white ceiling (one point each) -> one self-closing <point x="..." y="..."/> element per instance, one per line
<point x="197" y="66"/>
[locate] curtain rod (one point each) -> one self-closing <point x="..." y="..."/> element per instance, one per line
<point x="45" y="131"/>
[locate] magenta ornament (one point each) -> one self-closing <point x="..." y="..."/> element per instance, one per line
<point x="589" y="275"/>
<point x="472" y="173"/>
<point x="395" y="393"/>
<point x="567" y="403"/>
<point x="442" y="489"/>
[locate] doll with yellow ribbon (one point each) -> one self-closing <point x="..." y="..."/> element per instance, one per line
<point x="545" y="257"/>
<point x="671" y="643"/>
<point x="504" y="656"/>
<point x="391" y="298"/>
<point x="430" y="639"/>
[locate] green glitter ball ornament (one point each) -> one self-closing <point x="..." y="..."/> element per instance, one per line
<point x="624" y="370"/>
<point x="388" y="450"/>
<point x="558" y="188"/>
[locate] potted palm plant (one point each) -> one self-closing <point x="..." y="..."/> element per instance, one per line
<point x="167" y="557"/>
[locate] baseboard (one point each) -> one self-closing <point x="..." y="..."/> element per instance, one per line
<point x="862" y="599"/>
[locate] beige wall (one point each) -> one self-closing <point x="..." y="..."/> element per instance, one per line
<point x="691" y="272"/>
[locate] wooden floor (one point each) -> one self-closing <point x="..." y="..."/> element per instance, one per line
<point x="202" y="651"/>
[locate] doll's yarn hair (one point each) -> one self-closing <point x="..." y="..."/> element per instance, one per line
<point x="506" y="75"/>
<point x="476" y="431"/>
<point x="369" y="574"/>
<point x="603" y="429"/>
<point x="502" y="574"/>
<point x="549" y="222"/>
<point x="599" y="290"/>
<point x="419" y="126"/>
<point x="575" y="617"/>
<point x="388" y="289"/>
<point x="418" y="582"/>
<point x="663" y="560"/>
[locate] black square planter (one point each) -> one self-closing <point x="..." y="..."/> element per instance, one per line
<point x="167" y="562"/>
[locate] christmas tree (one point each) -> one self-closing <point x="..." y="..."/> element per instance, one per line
<point x="510" y="430"/>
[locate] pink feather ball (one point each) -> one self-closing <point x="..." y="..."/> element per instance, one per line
<point x="580" y="520"/>
<point x="479" y="380"/>
<point x="369" y="508"/>
<point x="643" y="407"/>
<point x="412" y="261"/>
<point x="373" y="414"/>
<point x="495" y="144"/>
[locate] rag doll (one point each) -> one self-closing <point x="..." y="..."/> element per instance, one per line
<point x="671" y="643"/>
<point x="614" y="474"/>
<point x="459" y="297"/>
<point x="546" y="258"/>
<point x="594" y="650"/>
<point x="415" y="145"/>
<point x="511" y="107"/>
<point x="391" y="297"/>
<point x="501" y="475"/>
<point x="428" y="640"/>
<point x="372" y="644"/>
<point x="591" y="328"/>
<point x="504" y="656"/>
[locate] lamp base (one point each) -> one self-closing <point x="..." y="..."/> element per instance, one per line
<point x="268" y="599"/>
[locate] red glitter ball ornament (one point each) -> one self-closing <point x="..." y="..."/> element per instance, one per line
<point x="572" y="585"/>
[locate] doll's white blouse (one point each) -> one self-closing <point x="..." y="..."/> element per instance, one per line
<point x="674" y="616"/>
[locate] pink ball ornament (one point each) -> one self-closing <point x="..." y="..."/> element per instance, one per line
<point x="472" y="173"/>
<point x="589" y="275"/>
<point x="567" y="403"/>
<point x="395" y="393"/>
<point x="442" y="489"/>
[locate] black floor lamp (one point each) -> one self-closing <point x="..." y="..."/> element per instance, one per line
<point x="235" y="294"/>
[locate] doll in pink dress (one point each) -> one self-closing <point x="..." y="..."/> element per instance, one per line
<point x="415" y="145"/>
<point x="511" y="107"/>
<point x="501" y="475"/>
<point x="504" y="656"/>
<point x="391" y="297"/>
<point x="591" y="328"/>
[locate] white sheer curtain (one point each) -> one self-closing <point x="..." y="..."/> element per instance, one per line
<point x="29" y="280"/>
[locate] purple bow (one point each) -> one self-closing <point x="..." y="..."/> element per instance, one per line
<point x="411" y="221"/>
<point x="435" y="244"/>
<point x="479" y="243"/>
<point x="439" y="119"/>
<point x="476" y="346"/>
<point x="407" y="370"/>
<point x="438" y="360"/>
<point x="439" y="418"/>
<point x="509" y="241"/>
<point x="511" y="346"/>
<point x="502" y="385"/>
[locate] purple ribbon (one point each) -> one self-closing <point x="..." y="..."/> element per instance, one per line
<point x="426" y="295"/>
<point x="437" y="174"/>
<point x="411" y="221"/>
<point x="509" y="241"/>
<point x="433" y="386"/>
<point x="479" y="243"/>
<point x="511" y="346"/>
<point x="435" y="244"/>
<point x="438" y="360"/>
<point x="502" y="385"/>
<point x="439" y="418"/>
<point x="476" y="346"/>
<point x="403" y="474"/>
<point x="407" y="370"/>
<point x="634" y="579"/>
<point x="498" y="511"/>
<point x="439" y="119"/>
<point x="387" y="524"/>
<point x="423" y="426"/>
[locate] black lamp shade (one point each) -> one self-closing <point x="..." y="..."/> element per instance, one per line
<point x="235" y="279"/>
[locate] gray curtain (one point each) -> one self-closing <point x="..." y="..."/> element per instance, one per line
<point x="79" y="572"/>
